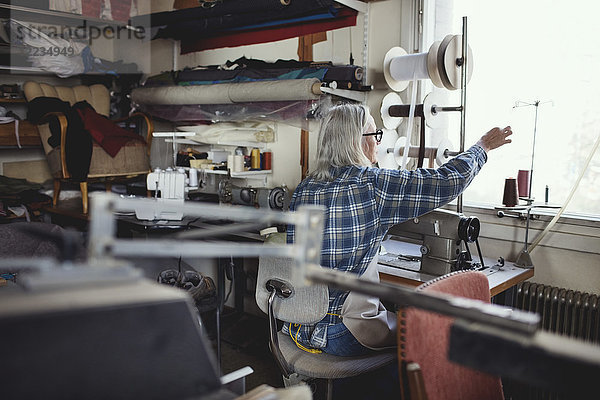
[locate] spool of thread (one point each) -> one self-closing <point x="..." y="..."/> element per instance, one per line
<point x="511" y="194"/>
<point x="193" y="177"/>
<point x="255" y="160"/>
<point x="523" y="183"/>
<point x="267" y="157"/>
<point x="238" y="163"/>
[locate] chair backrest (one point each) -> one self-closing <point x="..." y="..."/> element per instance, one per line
<point x="306" y="305"/>
<point x="424" y="340"/>
<point x="97" y="95"/>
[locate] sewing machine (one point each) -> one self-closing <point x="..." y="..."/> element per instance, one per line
<point x="169" y="187"/>
<point x="432" y="243"/>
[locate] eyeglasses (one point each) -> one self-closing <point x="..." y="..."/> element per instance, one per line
<point x="378" y="135"/>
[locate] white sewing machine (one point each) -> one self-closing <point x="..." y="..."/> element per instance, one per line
<point x="432" y="243"/>
<point x="169" y="186"/>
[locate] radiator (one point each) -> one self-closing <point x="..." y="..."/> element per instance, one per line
<point x="564" y="312"/>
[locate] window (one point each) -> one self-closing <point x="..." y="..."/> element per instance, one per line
<point x="530" y="51"/>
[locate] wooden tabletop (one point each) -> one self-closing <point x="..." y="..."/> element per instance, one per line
<point x="500" y="278"/>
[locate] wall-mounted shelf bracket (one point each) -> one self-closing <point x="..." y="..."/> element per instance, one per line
<point x="348" y="94"/>
<point x="357" y="5"/>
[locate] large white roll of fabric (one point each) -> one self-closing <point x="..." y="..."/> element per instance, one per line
<point x="229" y="93"/>
<point x="439" y="65"/>
<point x="409" y="67"/>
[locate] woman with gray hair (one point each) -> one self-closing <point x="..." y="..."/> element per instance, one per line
<point x="362" y="202"/>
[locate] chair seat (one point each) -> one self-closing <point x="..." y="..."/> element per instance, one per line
<point x="131" y="159"/>
<point x="327" y="366"/>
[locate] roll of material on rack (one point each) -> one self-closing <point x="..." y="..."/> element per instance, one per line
<point x="442" y="64"/>
<point x="433" y="118"/>
<point x="399" y="147"/>
<point x="386" y="158"/>
<point x="390" y="99"/>
<point x="229" y="93"/>
<point x="393" y="110"/>
<point x="410" y="66"/>
<point x="432" y="69"/>
<point x="391" y="151"/>
<point x="444" y="152"/>
<point x="394" y="84"/>
<point x="449" y="52"/>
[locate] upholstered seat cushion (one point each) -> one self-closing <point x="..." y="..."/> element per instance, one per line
<point x="327" y="366"/>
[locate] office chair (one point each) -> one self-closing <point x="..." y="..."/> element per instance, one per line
<point x="279" y="299"/>
<point x="423" y="346"/>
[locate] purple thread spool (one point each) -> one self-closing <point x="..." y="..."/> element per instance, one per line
<point x="511" y="194"/>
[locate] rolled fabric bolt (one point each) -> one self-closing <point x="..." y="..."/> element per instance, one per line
<point x="523" y="183"/>
<point x="230" y="162"/>
<point x="511" y="194"/>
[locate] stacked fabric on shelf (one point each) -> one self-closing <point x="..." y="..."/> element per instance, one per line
<point x="246" y="70"/>
<point x="233" y="23"/>
<point x="244" y="89"/>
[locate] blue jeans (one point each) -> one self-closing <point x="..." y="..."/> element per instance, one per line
<point x="340" y="342"/>
<point x="382" y="383"/>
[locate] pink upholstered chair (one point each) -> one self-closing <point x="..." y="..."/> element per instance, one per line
<point x="423" y="346"/>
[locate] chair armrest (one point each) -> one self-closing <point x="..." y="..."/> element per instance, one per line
<point x="236" y="380"/>
<point x="146" y="131"/>
<point x="63" y="123"/>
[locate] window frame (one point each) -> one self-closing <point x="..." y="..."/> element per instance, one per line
<point x="417" y="29"/>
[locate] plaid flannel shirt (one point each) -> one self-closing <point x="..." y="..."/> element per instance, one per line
<point x="362" y="204"/>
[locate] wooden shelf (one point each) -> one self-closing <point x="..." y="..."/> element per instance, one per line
<point x="242" y="174"/>
<point x="18" y="100"/>
<point x="28" y="135"/>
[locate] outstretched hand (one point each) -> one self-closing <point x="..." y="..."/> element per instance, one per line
<point x="495" y="138"/>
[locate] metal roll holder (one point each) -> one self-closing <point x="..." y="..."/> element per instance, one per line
<point x="523" y="212"/>
<point x="442" y="66"/>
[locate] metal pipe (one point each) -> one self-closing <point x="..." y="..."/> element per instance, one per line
<point x="537" y="104"/>
<point x="437" y="109"/>
<point x="467" y="309"/>
<point x="463" y="99"/>
<point x="274" y="340"/>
